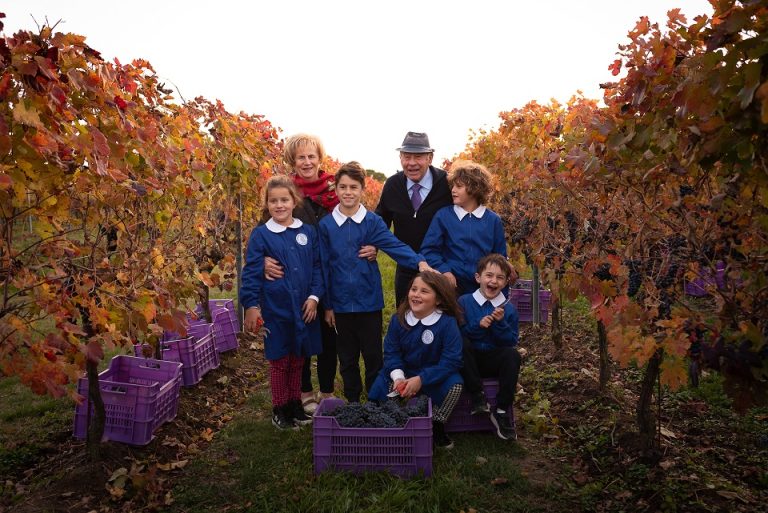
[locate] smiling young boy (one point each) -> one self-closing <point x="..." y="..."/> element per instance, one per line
<point x="354" y="296"/>
<point x="490" y="332"/>
<point x="463" y="233"/>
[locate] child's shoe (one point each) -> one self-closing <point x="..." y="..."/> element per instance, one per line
<point x="297" y="414"/>
<point x="279" y="418"/>
<point x="504" y="427"/>
<point x="308" y="402"/>
<point x="439" y="438"/>
<point x="480" y="404"/>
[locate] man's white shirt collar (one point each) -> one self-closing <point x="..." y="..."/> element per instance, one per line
<point x="274" y="227"/>
<point x="429" y="320"/>
<point x="340" y="218"/>
<point x="481" y="299"/>
<point x="425" y="182"/>
<point x="460" y="212"/>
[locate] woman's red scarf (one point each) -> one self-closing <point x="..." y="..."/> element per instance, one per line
<point x="322" y="190"/>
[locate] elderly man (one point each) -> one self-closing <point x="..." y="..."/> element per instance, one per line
<point x="411" y="198"/>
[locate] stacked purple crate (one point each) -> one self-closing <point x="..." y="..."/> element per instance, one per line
<point x="462" y="420"/>
<point x="521" y="295"/>
<point x="405" y="451"/>
<point x="217" y="305"/>
<point x="225" y="329"/>
<point x="139" y="395"/>
<point x="197" y="352"/>
<point x="700" y="286"/>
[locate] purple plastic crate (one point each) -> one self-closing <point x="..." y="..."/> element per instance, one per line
<point x="225" y="330"/>
<point x="196" y="328"/>
<point x="405" y="451"/>
<point x="139" y="395"/>
<point x="522" y="297"/>
<point x="523" y="301"/>
<point x="198" y="356"/>
<point x="196" y="352"/>
<point x="700" y="286"/>
<point x="216" y="305"/>
<point x="462" y="420"/>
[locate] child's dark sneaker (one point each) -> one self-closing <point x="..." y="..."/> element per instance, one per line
<point x="439" y="438"/>
<point x="480" y="404"/>
<point x="503" y="425"/>
<point x="298" y="415"/>
<point x="280" y="420"/>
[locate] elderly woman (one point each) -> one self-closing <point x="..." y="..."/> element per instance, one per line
<point x="304" y="154"/>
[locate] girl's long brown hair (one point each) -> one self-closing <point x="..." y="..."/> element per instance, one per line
<point x="445" y="297"/>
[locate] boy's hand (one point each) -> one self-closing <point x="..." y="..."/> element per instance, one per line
<point x="330" y="319"/>
<point x="368" y="252"/>
<point x="272" y="269"/>
<point x="451" y="278"/>
<point x="486" y="321"/>
<point x="309" y="310"/>
<point x="424" y="267"/>
<point x="498" y="313"/>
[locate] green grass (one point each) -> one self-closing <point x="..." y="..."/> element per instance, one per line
<point x="253" y="467"/>
<point x="27" y="422"/>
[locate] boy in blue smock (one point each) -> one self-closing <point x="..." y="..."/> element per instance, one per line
<point x="354" y="297"/>
<point x="287" y="306"/>
<point x="465" y="232"/>
<point x="490" y="331"/>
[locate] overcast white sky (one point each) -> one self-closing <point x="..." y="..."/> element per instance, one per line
<point x="360" y="74"/>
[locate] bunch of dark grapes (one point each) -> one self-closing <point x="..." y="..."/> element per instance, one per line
<point x="522" y="231"/>
<point x="373" y="415"/>
<point x="635" y="276"/>
<point x="573" y="225"/>
<point x="604" y="272"/>
<point x="418" y="407"/>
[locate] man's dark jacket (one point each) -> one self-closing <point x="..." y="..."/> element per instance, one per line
<point x="395" y="206"/>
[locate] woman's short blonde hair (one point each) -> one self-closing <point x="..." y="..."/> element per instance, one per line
<point x="295" y="142"/>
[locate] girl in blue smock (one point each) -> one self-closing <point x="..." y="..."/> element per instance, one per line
<point x="286" y="307"/>
<point x="423" y="351"/>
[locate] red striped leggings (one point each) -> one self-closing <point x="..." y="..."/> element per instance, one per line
<point x="285" y="379"/>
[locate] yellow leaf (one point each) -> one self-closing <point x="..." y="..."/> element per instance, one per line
<point x="26" y="116"/>
<point x="674" y="373"/>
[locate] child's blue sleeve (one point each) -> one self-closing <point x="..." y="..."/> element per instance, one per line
<point x="451" y="359"/>
<point x="384" y="240"/>
<point x="253" y="272"/>
<point x="433" y="245"/>
<point x="393" y="351"/>
<point x="505" y="332"/>
<point x="317" y="286"/>
<point x="499" y="237"/>
<point x="325" y="262"/>
<point x="471" y="326"/>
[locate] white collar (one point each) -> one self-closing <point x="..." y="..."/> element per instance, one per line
<point x="429" y="320"/>
<point x="425" y="182"/>
<point x="274" y="227"/>
<point x="481" y="299"/>
<point x="340" y="218"/>
<point x="460" y="212"/>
